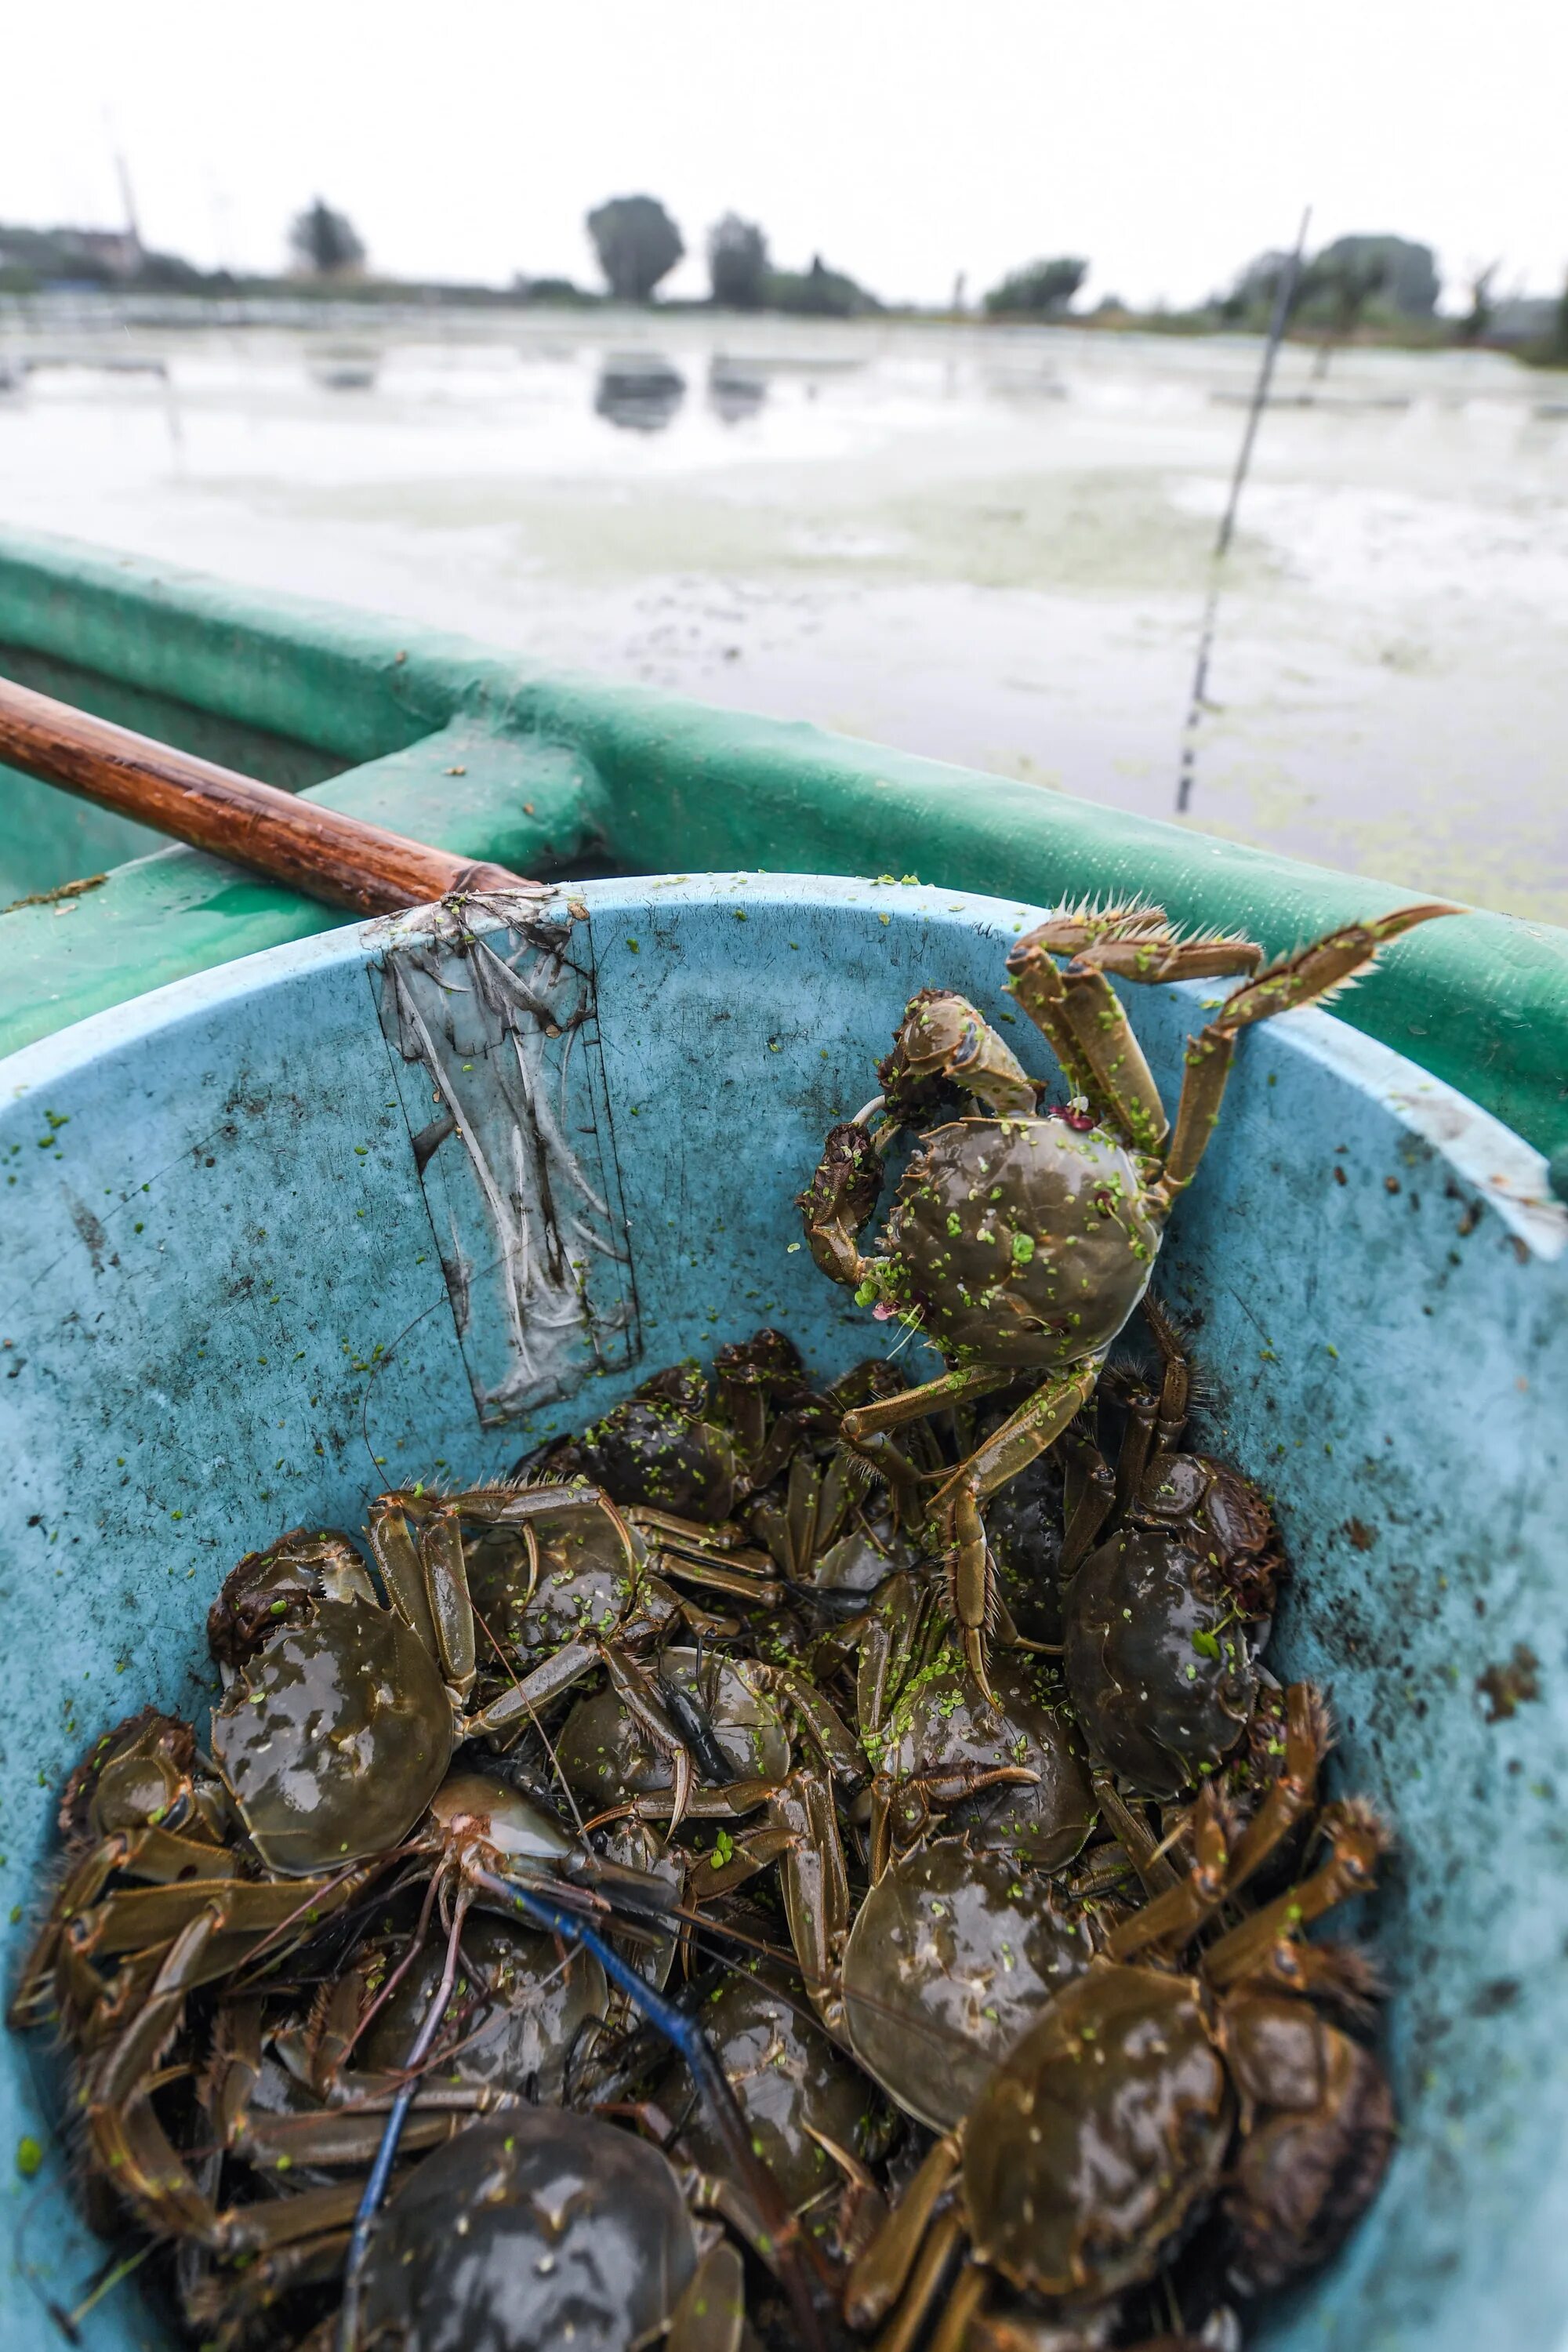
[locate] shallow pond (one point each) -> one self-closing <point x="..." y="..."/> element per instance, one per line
<point x="987" y="545"/>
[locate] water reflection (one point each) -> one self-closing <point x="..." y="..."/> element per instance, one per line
<point x="638" y="391"/>
<point x="344" y="367"/>
<point x="736" y="389"/>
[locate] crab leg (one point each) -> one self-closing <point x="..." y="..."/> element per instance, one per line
<point x="729" y="1803"/>
<point x="815" y="1888"/>
<point x="840" y="1201"/>
<point x="1089" y="1509"/>
<point x="951" y="2333"/>
<point x="710" y="2315"/>
<point x="1175" y="1916"/>
<point x="865" y="1427"/>
<point x="1308" y="977"/>
<point x="642" y="1701"/>
<point x="892" y="1641"/>
<point x="1038" y="1423"/>
<point x="820" y="1720"/>
<point x="1158" y="1875"/>
<point x="158" y="1855"/>
<point x="385" y="2154"/>
<point x="555" y="1673"/>
<point x="1079" y="1013"/>
<point x="1356" y="1838"/>
<point x="1308" y="1737"/>
<point x="881" y="2274"/>
<point x="941" y="1036"/>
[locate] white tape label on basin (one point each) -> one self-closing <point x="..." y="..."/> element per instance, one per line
<point x="488" y="1010"/>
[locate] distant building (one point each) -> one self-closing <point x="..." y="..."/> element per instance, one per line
<point x="96" y="256"/>
<point x="116" y="251"/>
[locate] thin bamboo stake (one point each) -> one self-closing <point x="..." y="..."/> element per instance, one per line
<point x="1284" y="294"/>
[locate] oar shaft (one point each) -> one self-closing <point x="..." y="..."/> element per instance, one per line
<point x="313" y="849"/>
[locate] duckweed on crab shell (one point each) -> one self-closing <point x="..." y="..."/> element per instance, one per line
<point x="584" y="1585"/>
<point x="941" y="1727"/>
<point x="1161" y="1671"/>
<point x="530" y="2230"/>
<point x="1024" y="1242"/>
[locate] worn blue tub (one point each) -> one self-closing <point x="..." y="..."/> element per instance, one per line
<point x="367" y="1207"/>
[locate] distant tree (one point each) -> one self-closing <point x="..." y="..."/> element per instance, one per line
<point x="818" y="293"/>
<point x="169" y="273"/>
<point x="1337" y="285"/>
<point x="1406" y="273"/>
<point x="325" y="242"/>
<point x="637" y="244"/>
<point x="547" y="290"/>
<point x="1474" y="327"/>
<point x="738" y="263"/>
<point x="1252" y="295"/>
<point x="1042" y="290"/>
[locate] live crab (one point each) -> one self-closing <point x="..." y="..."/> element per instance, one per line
<point x="1020" y="1242"/>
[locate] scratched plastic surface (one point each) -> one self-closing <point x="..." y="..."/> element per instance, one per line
<point x="251" y="1270"/>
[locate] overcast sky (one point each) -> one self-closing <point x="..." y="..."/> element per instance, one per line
<point x="906" y="140"/>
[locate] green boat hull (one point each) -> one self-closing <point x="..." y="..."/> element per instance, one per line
<point x="553" y="774"/>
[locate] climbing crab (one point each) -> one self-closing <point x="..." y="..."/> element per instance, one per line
<point x="1020" y="1240"/>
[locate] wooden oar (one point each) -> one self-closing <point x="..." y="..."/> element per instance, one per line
<point x="326" y="855"/>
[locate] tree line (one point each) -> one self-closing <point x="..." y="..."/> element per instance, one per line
<point x="1389" y="283"/>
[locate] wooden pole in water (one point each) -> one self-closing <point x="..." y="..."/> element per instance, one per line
<point x="1284" y="294"/>
<point x="316" y="850"/>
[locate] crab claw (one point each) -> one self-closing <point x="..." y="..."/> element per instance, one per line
<point x="840" y="1199"/>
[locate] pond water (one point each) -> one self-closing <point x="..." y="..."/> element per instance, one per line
<point x="988" y="545"/>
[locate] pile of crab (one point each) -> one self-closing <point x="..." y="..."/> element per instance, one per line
<point x="752" y="1877"/>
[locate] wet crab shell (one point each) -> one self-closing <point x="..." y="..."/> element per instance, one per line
<point x="517" y="2007"/>
<point x="1097" y="2136"/>
<point x="1020" y="1242"/>
<point x="606" y="1756"/>
<point x="952" y="1957"/>
<point x="584" y="1585"/>
<point x="531" y="2230"/>
<point x="1320" y="2131"/>
<point x="141" y="1771"/>
<point x="333" y="1737"/>
<point x="656" y="1447"/>
<point x="1162" y="1670"/>
<point x="791" y="2084"/>
<point x="942" y="1726"/>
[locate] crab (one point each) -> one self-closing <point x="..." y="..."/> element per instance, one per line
<point x="684" y="1445"/>
<point x="341" y="1715"/>
<point x="541" y="2228"/>
<point x="951" y="1955"/>
<point x="1171" y="1569"/>
<point x="1171" y="2078"/>
<point x="1020" y="1242"/>
<point x="801" y="2097"/>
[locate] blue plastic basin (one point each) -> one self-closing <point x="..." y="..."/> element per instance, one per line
<point x="349" y="1212"/>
